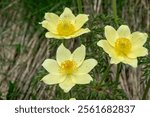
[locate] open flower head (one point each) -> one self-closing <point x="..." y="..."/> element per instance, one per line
<point x="124" y="46"/>
<point x="69" y="68"/>
<point x="65" y="26"/>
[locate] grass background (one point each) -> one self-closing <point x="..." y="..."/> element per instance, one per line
<point x="23" y="47"/>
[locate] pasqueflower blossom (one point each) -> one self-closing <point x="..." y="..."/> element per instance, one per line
<point x="124" y="46"/>
<point x="69" y="68"/>
<point x="65" y="26"/>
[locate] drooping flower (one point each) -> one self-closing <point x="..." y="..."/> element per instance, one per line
<point x="69" y="68"/>
<point x="66" y="26"/>
<point x="124" y="46"/>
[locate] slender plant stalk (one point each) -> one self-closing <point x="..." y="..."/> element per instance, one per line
<point x="79" y="3"/>
<point x="114" y="6"/>
<point x="146" y="90"/>
<point x="119" y="67"/>
<point x="80" y="6"/>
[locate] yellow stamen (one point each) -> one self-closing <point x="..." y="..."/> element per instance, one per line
<point x="65" y="27"/>
<point x="68" y="67"/>
<point x="123" y="46"/>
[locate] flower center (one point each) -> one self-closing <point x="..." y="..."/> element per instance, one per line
<point x="123" y="46"/>
<point x="67" y="67"/>
<point x="65" y="28"/>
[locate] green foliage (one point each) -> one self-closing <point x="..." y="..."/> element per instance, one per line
<point x="12" y="91"/>
<point x="4" y="4"/>
<point x="145" y="62"/>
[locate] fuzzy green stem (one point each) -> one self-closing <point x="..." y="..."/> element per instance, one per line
<point x="146" y="90"/>
<point x="105" y="75"/>
<point x="80" y="10"/>
<point x="114" y="6"/>
<point x="119" y="67"/>
<point x="79" y="3"/>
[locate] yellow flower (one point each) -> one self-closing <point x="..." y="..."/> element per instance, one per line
<point x="69" y="68"/>
<point x="66" y="26"/>
<point x="124" y="46"/>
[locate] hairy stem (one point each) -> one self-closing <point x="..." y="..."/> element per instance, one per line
<point x="114" y="6"/>
<point x="119" y="67"/>
<point x="79" y="3"/>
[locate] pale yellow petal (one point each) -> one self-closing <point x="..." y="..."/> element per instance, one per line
<point x="111" y="35"/>
<point x="51" y="66"/>
<point x="86" y="66"/>
<point x="62" y="54"/>
<point x="138" y="39"/>
<point x="107" y="47"/>
<point x="51" y="22"/>
<point x="79" y="55"/>
<point x="67" y="84"/>
<point x="49" y="26"/>
<point x="53" y="79"/>
<point x="132" y="62"/>
<point x="67" y="14"/>
<point x="75" y="34"/>
<point x="51" y="17"/>
<point x="52" y="35"/>
<point x="138" y="52"/>
<point x="124" y="31"/>
<point x="78" y="33"/>
<point x="82" y="79"/>
<point x="80" y="20"/>
<point x="115" y="61"/>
